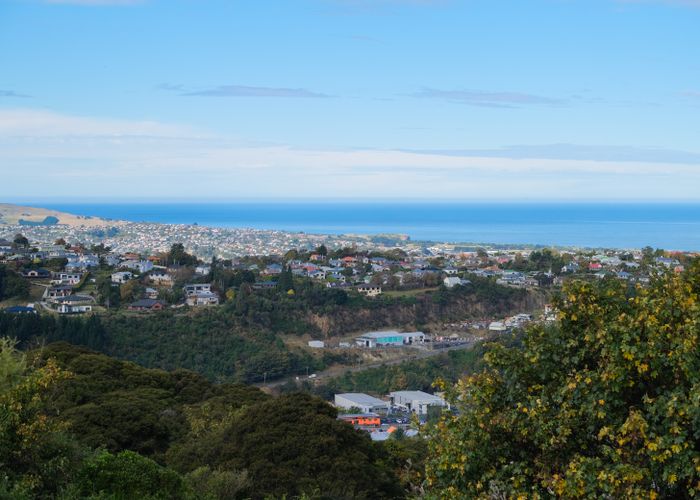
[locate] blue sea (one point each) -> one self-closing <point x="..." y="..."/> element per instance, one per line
<point x="673" y="226"/>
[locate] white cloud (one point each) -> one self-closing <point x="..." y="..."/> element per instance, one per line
<point x="39" y="123"/>
<point x="49" y="154"/>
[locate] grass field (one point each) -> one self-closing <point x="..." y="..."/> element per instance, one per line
<point x="409" y="293"/>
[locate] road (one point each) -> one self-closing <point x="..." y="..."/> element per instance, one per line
<point x="335" y="371"/>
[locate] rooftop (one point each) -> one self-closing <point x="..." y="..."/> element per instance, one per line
<point x="362" y="399"/>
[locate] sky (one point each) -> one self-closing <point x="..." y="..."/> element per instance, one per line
<point x="467" y="100"/>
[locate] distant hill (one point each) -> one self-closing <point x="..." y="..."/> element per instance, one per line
<point x="33" y="216"/>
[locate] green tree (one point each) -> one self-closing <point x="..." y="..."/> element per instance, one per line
<point x="108" y="292"/>
<point x="20" y="241"/>
<point x="127" y="475"/>
<point x="36" y="456"/>
<point x="178" y="256"/>
<point x="606" y="404"/>
<point x="285" y="282"/>
<point x="291" y="445"/>
<point x="12" y="285"/>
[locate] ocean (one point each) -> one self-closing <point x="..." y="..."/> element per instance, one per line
<point x="672" y="226"/>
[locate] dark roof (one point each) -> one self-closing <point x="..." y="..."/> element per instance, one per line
<point x="20" y="309"/>
<point x="75" y="298"/>
<point x="146" y="303"/>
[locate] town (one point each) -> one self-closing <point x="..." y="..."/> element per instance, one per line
<point x="67" y="277"/>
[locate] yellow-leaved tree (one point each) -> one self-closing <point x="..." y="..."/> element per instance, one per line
<point x="603" y="404"/>
<point x="36" y="457"/>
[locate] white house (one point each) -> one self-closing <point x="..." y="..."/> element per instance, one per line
<point x="122" y="277"/>
<point x="141" y="266"/>
<point x="195" y="288"/>
<point x="161" y="278"/>
<point x="364" y="402"/>
<point x="74" y="304"/>
<point x="369" y="290"/>
<point x="453" y="281"/>
<point x="202" y="270"/>
<point x="416" y="401"/>
<point x="67" y="278"/>
<point x="202" y="299"/>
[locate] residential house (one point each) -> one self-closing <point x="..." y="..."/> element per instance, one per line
<point x="195" y="288"/>
<point x="74" y="304"/>
<point x="453" y="281"/>
<point x="141" y="266"/>
<point x="147" y="305"/>
<point x="122" y="277"/>
<point x="161" y="278"/>
<point x="35" y="273"/>
<point x="273" y="269"/>
<point x="202" y="299"/>
<point x="369" y="290"/>
<point x="56" y="292"/>
<point x="66" y="278"/>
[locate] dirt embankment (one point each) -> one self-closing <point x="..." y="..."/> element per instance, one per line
<point x="344" y="321"/>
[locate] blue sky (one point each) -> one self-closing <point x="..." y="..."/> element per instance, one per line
<point x="382" y="99"/>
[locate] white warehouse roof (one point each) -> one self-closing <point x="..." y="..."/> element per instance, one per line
<point x="362" y="399"/>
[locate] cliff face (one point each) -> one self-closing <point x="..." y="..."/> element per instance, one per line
<point x="344" y="321"/>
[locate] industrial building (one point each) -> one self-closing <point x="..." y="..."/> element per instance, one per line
<point x="389" y="338"/>
<point x="416" y="401"/>
<point x="364" y="402"/>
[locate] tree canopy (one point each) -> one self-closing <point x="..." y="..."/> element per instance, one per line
<point x="605" y="404"/>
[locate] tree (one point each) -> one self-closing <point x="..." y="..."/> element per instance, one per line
<point x="108" y="293"/>
<point x="285" y="282"/>
<point x="130" y="291"/>
<point x="21" y="241"/>
<point x="606" y="404"/>
<point x="36" y="457"/>
<point x="12" y="285"/>
<point x="100" y="249"/>
<point x="127" y="475"/>
<point x="293" y="445"/>
<point x="322" y="250"/>
<point x="179" y="256"/>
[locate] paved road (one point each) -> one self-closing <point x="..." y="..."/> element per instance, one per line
<point x="418" y="353"/>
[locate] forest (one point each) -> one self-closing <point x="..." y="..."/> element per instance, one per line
<point x="78" y="424"/>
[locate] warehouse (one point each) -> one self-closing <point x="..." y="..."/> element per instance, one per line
<point x="416" y="401"/>
<point x="389" y="338"/>
<point x="364" y="402"/>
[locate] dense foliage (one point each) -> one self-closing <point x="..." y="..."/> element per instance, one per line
<point x="78" y="424"/>
<point x="290" y="445"/>
<point x="607" y="404"/>
<point x="12" y="285"/>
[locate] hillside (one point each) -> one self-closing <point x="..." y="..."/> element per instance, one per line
<point x="243" y="340"/>
<point x="84" y="425"/>
<point x="17" y="214"/>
